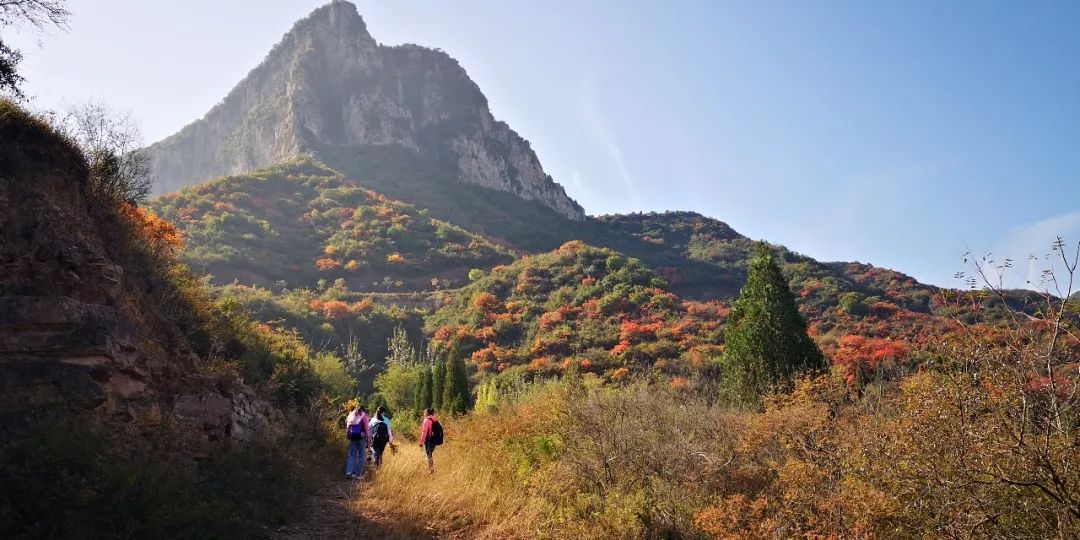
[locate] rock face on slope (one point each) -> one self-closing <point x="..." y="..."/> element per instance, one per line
<point x="79" y="336"/>
<point x="329" y="85"/>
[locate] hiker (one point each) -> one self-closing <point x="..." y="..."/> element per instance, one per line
<point x="381" y="434"/>
<point x="431" y="435"/>
<point x="358" y="432"/>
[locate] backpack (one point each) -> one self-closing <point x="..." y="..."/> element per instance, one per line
<point x="436" y="436"/>
<point x="380" y="432"/>
<point x="355" y="432"/>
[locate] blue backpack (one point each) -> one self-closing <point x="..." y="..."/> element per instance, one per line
<point x="355" y="432"/>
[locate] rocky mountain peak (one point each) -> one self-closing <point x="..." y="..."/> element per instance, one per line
<point x="328" y="86"/>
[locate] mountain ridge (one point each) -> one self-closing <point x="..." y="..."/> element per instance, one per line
<point x="328" y="86"/>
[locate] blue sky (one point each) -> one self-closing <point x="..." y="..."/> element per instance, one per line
<point x="902" y="135"/>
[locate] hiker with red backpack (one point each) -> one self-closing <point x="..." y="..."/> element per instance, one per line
<point x="431" y="435"/>
<point x="358" y="432"/>
<point x="381" y="434"/>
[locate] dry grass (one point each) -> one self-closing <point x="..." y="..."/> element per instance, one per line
<point x="647" y="462"/>
<point x="474" y="491"/>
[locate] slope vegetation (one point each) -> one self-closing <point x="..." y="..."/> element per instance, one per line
<point x="578" y="307"/>
<point x="302" y="222"/>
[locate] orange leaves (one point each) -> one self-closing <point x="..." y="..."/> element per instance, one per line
<point x="331" y="309"/>
<point x="361" y="306"/>
<point x="336" y="309"/>
<point x="326" y="264"/>
<point x="189" y="214"/>
<point x="445" y="333"/>
<point x="485" y="333"/>
<point x="395" y="258"/>
<point x="352" y="265"/>
<point x="572" y="246"/>
<point x="634" y="331"/>
<point x="485" y="302"/>
<point x="588" y="281"/>
<point x="492" y="354"/>
<point x="738" y="517"/>
<point x="550" y="319"/>
<point x="679" y="383"/>
<point x="702" y="354"/>
<point x="542" y="345"/>
<point x="859" y="355"/>
<point x="708" y="309"/>
<point x="620" y="348"/>
<point x="592" y="308"/>
<point x="620" y="374"/>
<point x="157" y="234"/>
<point x="540" y="364"/>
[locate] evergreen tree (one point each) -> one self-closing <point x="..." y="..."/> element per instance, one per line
<point x="456" y="388"/>
<point x="438" y="380"/>
<point x="765" y="340"/>
<point x="422" y="399"/>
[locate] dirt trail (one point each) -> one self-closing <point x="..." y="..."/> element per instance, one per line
<point x="332" y="513"/>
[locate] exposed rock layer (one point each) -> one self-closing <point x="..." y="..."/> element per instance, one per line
<point x="81" y="339"/>
<point x="328" y="84"/>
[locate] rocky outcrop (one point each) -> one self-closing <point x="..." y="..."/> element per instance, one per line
<point x="79" y="336"/>
<point x="329" y="85"/>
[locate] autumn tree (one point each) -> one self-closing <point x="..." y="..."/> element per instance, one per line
<point x="765" y="340"/>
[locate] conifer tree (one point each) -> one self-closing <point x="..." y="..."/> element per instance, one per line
<point x="438" y="379"/>
<point x="765" y="339"/>
<point x="456" y="388"/>
<point x="423" y="399"/>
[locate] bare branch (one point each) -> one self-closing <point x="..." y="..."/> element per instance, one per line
<point x="38" y="13"/>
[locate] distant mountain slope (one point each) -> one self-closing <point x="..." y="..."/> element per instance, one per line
<point x="328" y="87"/>
<point x="302" y="222"/>
<point x="597" y="310"/>
<point x="582" y="306"/>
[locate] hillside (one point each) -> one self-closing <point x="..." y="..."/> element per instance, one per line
<point x="84" y="330"/>
<point x="131" y="402"/>
<point x="597" y="310"/>
<point x="580" y="306"/>
<point x="329" y="87"/>
<point x="298" y="223"/>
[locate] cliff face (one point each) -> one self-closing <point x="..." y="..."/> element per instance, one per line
<point x="79" y="337"/>
<point x="328" y="84"/>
